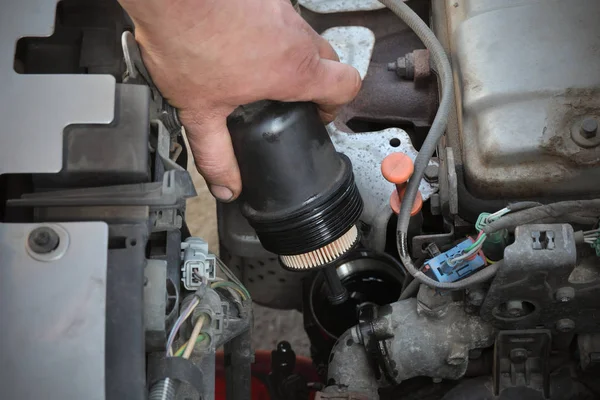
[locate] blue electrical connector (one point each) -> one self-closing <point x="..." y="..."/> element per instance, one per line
<point x="445" y="272"/>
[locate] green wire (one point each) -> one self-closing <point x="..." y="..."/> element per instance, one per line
<point x="475" y="244"/>
<point x="232" y="277"/>
<point x="232" y="285"/>
<point x="202" y="337"/>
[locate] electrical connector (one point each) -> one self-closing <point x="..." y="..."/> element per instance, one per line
<point x="481" y="221"/>
<point x="596" y="246"/>
<point x="197" y="263"/>
<point x="444" y="272"/>
<point x="495" y="242"/>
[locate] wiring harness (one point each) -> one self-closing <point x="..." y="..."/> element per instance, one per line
<point x="233" y="286"/>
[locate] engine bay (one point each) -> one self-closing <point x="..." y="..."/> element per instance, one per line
<point x="441" y="237"/>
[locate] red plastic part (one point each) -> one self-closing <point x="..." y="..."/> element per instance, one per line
<point x="260" y="370"/>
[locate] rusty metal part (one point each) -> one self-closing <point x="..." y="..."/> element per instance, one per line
<point x="422" y="69"/>
<point x="531" y="153"/>
<point x="384" y="100"/>
<point x="413" y="66"/>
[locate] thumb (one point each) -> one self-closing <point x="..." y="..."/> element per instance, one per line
<point x="213" y="153"/>
<point x="332" y="84"/>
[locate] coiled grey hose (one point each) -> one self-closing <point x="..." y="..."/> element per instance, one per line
<point x="444" y="70"/>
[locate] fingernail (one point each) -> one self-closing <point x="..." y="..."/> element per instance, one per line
<point x="221" y="192"/>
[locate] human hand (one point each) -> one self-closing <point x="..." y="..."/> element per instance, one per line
<point x="208" y="56"/>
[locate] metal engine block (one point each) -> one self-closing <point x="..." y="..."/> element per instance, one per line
<point x="527" y="89"/>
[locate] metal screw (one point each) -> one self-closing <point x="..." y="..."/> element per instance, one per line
<point x="589" y="128"/>
<point x="514" y="308"/>
<point x="165" y="389"/>
<point x="432" y="173"/>
<point x="565" y="325"/>
<point x="565" y="294"/>
<point x="43" y="240"/>
<point x="518" y="356"/>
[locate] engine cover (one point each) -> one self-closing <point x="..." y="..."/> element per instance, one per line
<point x="528" y="75"/>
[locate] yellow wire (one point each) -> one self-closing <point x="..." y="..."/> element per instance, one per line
<point x="180" y="350"/>
<point x="229" y="285"/>
<point x="195" y="333"/>
<point x="490" y="261"/>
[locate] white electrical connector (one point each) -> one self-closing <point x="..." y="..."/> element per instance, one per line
<point x="197" y="263"/>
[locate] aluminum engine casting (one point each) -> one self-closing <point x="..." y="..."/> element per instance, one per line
<point x="423" y="340"/>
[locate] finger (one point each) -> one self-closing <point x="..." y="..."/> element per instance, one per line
<point x="211" y="146"/>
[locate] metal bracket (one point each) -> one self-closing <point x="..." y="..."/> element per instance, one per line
<point x="374" y="338"/>
<point x="521" y="359"/>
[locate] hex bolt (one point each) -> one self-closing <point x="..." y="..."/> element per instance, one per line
<point x="589" y="128"/>
<point x="565" y="294"/>
<point x="403" y="66"/>
<point x="514" y="308"/>
<point x="43" y="240"/>
<point x="518" y="356"/>
<point x="432" y="173"/>
<point x="565" y="325"/>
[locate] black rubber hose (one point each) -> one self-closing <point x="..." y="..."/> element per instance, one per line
<point x="410" y="290"/>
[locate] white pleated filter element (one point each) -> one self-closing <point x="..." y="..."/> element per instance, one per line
<point x="325" y="254"/>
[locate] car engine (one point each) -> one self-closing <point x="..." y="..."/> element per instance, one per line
<point x="441" y="237"/>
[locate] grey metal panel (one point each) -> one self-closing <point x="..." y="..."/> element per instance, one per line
<point x="528" y="72"/>
<point x="52" y="341"/>
<point x="34" y="109"/>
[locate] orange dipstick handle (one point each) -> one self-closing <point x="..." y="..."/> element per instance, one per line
<point x="397" y="168"/>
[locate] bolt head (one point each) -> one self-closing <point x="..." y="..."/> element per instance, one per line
<point x="565" y="325"/>
<point x="589" y="128"/>
<point x="514" y="308"/>
<point x="401" y="70"/>
<point x="518" y="356"/>
<point x="432" y="173"/>
<point x="565" y="294"/>
<point x="43" y="240"/>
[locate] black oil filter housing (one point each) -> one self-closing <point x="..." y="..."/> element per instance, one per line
<point x="298" y="192"/>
